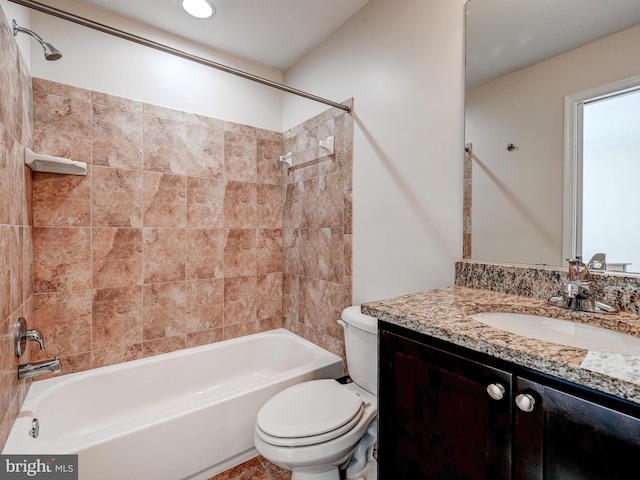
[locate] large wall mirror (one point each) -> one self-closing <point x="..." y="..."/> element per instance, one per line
<point x="553" y="166"/>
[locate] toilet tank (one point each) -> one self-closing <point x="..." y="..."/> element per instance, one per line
<point x="361" y="346"/>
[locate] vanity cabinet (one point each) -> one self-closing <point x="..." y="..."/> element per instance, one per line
<point x="569" y="437"/>
<point x="449" y="413"/>
<point x="436" y="420"/>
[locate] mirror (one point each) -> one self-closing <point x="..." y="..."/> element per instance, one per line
<point x="524" y="58"/>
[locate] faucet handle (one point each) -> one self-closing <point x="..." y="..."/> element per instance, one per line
<point x="35" y="336"/>
<point x="577" y="269"/>
<point x="598" y="262"/>
<point x="22" y="336"/>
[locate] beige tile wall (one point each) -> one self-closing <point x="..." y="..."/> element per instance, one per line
<point x="183" y="232"/>
<point x="16" y="246"/>
<point x="317" y="229"/>
<point x="172" y="240"/>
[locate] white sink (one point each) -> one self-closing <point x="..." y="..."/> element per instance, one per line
<point x="562" y="332"/>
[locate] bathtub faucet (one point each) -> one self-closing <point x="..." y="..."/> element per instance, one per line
<point x="22" y="336"/>
<point x="28" y="370"/>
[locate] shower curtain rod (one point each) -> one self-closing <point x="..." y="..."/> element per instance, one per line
<point x="172" y="51"/>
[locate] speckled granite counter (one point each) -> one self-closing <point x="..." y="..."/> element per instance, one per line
<point x="444" y="314"/>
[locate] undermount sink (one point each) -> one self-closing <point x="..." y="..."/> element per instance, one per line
<point x="562" y="332"/>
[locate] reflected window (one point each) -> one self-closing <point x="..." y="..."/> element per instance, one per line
<point x="611" y="179"/>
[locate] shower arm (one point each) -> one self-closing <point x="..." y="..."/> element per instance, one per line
<point x="17" y="29"/>
<point x="50" y="52"/>
<point x="172" y="51"/>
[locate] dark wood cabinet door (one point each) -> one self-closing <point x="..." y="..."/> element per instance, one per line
<point x="436" y="419"/>
<point x="566" y="437"/>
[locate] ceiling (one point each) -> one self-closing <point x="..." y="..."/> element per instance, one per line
<point x="276" y="33"/>
<point x="506" y="35"/>
<point x="502" y="35"/>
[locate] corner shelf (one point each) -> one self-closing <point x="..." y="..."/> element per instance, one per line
<point x="51" y="164"/>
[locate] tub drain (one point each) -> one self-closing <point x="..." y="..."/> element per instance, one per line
<point x="34" y="431"/>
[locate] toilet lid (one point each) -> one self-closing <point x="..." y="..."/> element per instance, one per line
<point x="309" y="409"/>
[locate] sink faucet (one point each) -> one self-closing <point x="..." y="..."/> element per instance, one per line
<point x="576" y="292"/>
<point x="27" y="370"/>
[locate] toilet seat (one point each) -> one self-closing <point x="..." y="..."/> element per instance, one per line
<point x="309" y="413"/>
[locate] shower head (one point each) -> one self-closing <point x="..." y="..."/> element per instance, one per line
<point x="50" y="52"/>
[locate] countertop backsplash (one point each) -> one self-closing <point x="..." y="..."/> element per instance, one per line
<point x="620" y="289"/>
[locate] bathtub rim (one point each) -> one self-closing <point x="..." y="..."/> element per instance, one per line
<point x="39" y="386"/>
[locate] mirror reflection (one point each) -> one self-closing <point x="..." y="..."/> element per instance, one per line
<point x="551" y="160"/>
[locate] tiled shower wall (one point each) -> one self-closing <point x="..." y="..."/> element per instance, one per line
<point x="175" y="237"/>
<point x="317" y="229"/>
<point x="172" y="240"/>
<point x="16" y="246"/>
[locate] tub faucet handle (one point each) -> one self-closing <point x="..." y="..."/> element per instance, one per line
<point x="22" y="336"/>
<point x="35" y="336"/>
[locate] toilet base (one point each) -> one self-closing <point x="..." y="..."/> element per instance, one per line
<point x="332" y="474"/>
<point x="370" y="472"/>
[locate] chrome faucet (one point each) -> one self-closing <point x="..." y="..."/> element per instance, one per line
<point x="22" y="336"/>
<point x="27" y="370"/>
<point x="598" y="262"/>
<point x="576" y="292"/>
<point x="34" y="336"/>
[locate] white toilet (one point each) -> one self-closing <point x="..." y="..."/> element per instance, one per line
<point x="316" y="427"/>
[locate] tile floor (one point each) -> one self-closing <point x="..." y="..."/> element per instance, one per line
<point x="257" y="468"/>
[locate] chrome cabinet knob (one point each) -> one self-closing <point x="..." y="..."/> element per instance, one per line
<point x="495" y="391"/>
<point x="525" y="402"/>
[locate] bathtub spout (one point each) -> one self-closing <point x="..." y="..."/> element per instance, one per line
<point x="28" y="370"/>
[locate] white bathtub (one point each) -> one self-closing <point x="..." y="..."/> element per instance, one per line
<point x="182" y="415"/>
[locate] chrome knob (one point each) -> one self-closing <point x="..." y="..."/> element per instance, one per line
<point x="495" y="391"/>
<point x="525" y="402"/>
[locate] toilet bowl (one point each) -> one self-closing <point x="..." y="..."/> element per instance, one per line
<point x="318" y="427"/>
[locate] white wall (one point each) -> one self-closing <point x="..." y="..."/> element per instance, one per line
<point x="104" y="63"/>
<point x="402" y="61"/>
<point x="517" y="196"/>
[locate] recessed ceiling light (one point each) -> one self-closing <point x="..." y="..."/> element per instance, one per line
<point x="198" y="8"/>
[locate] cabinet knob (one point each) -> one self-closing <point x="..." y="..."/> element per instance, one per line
<point x="495" y="391"/>
<point x="525" y="402"/>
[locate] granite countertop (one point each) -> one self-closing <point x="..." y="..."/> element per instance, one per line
<point x="444" y="314"/>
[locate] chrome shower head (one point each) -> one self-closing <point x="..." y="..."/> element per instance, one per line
<point x="50" y="52"/>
